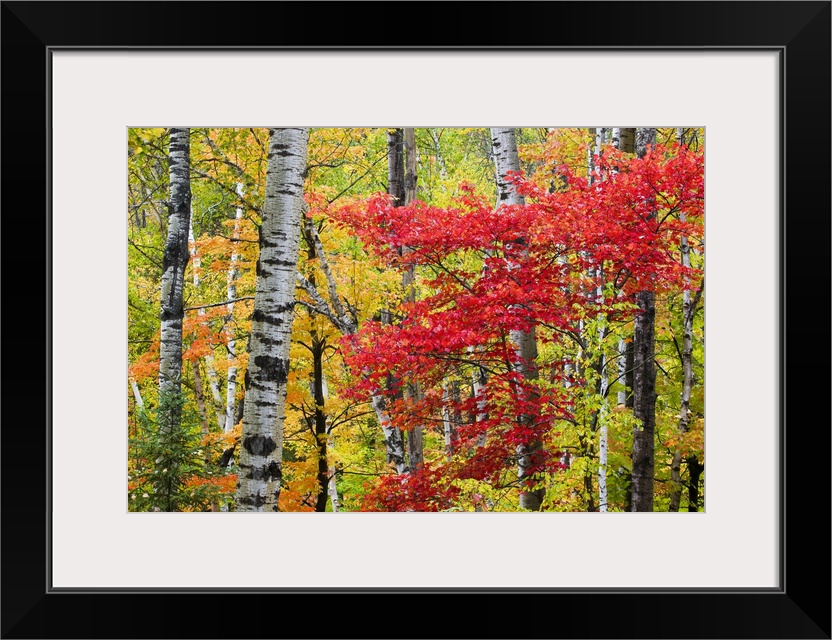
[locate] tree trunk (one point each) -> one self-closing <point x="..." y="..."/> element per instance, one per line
<point x="209" y="360"/>
<point x="479" y="379"/>
<point x="318" y="391"/>
<point x="172" y="311"/>
<point x="258" y="486"/>
<point x="695" y="469"/>
<point x="231" y="344"/>
<point x="415" y="453"/>
<point x="601" y="414"/>
<point x="200" y="400"/>
<point x="214" y="386"/>
<point x="688" y="311"/>
<point x="318" y="345"/>
<point x="332" y="483"/>
<point x="174" y="262"/>
<point x="627" y="139"/>
<point x="137" y="395"/>
<point x="450" y="421"/>
<point x="395" y="165"/>
<point x="625" y="374"/>
<point x="644" y="384"/>
<point x="199" y="392"/>
<point x="393" y="442"/>
<point x="504" y="145"/>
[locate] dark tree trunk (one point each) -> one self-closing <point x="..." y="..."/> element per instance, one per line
<point x="644" y="403"/>
<point x="644" y="380"/>
<point x="320" y="420"/>
<point x="695" y="470"/>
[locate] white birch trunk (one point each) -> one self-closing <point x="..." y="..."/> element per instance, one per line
<point x="175" y="260"/>
<point x="504" y="144"/>
<point x="688" y="310"/>
<point x="622" y="344"/>
<point x="443" y="169"/>
<point x="687" y="376"/>
<point x="599" y="141"/>
<point x="415" y="453"/>
<point x="478" y="382"/>
<point x="332" y="490"/>
<point x="627" y="139"/>
<point x="213" y="381"/>
<point x="603" y="434"/>
<point x="258" y="486"/>
<point x="394" y="442"/>
<point x="447" y="427"/>
<point x="214" y="386"/>
<point x="172" y="311"/>
<point x="231" y="345"/>
<point x="332" y="485"/>
<point x="622" y="372"/>
<point x="137" y="395"/>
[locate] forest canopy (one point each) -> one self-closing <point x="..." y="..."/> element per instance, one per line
<point x="416" y="319"/>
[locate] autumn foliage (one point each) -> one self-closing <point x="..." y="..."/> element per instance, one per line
<point x="490" y="271"/>
<point x="436" y="293"/>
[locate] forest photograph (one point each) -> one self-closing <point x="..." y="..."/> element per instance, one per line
<point x="415" y="319"/>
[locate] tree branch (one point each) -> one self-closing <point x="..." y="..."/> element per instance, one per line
<point x="332" y="289"/>
<point x="218" y="304"/>
<point x="249" y="205"/>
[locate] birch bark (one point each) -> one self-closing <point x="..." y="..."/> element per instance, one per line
<point x="601" y="415"/>
<point x="137" y="395"/>
<point x="332" y="485"/>
<point x="415" y="453"/>
<point x="174" y="262"/>
<point x="258" y="486"/>
<point x="688" y="312"/>
<point x="213" y="382"/>
<point x="504" y="145"/>
<point x="231" y="344"/>
<point x="622" y="397"/>
<point x="172" y="311"/>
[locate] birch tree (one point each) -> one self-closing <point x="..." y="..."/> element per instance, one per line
<point x="415" y="454"/>
<point x="172" y="310"/>
<point x="600" y="416"/>
<point x="504" y="144"/>
<point x="258" y="487"/>
<point x="393" y="438"/>
<point x="343" y="319"/>
<point x="689" y="305"/>
<point x="196" y="261"/>
<point x="644" y="379"/>
<point x="316" y="418"/>
<point x="231" y="343"/>
<point x="173" y="267"/>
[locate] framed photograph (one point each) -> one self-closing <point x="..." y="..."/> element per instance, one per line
<point x="753" y="77"/>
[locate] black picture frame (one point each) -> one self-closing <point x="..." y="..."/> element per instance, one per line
<point x="800" y="608"/>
